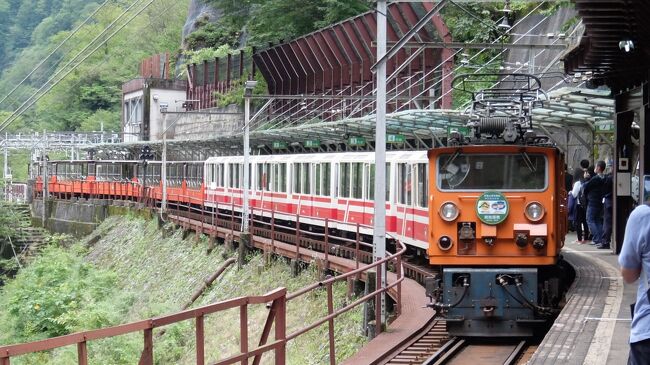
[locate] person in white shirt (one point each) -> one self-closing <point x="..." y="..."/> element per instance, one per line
<point x="582" y="229"/>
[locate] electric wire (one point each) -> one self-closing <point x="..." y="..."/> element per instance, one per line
<point x="18" y="111"/>
<point x="54" y="51"/>
<point x="168" y="8"/>
<point x="29" y="102"/>
<point x="104" y="61"/>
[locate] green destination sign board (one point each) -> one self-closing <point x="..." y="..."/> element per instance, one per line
<point x="279" y="145"/>
<point x="395" y="138"/>
<point x="462" y="130"/>
<point x="357" y="141"/>
<point x="492" y="207"/>
<point x="312" y="143"/>
<point x="605" y="126"/>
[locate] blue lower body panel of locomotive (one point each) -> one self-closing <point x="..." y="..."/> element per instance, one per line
<point x="485" y="302"/>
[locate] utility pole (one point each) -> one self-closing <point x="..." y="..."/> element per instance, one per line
<point x="163" y="169"/>
<point x="245" y="234"/>
<point x="379" y="220"/>
<point x="4" y="174"/>
<point x="45" y="187"/>
<point x="5" y="171"/>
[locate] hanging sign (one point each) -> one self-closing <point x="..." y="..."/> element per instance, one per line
<point x="312" y="143"/>
<point x="357" y="141"/>
<point x="279" y="145"/>
<point x="395" y="138"/>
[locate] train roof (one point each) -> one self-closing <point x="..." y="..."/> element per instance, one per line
<point x="325" y="157"/>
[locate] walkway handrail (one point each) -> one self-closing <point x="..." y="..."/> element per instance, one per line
<point x="278" y="313"/>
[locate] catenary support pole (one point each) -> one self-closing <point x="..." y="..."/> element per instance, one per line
<point x="379" y="220"/>
<point x="163" y="168"/>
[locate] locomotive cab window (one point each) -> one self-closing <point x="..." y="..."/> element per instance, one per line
<point x="514" y="171"/>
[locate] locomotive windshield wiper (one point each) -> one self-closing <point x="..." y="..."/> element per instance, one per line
<point x="451" y="159"/>
<point x="528" y="161"/>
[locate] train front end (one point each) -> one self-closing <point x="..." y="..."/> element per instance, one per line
<point x="497" y="218"/>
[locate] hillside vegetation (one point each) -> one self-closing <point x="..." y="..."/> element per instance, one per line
<point x="134" y="272"/>
<point x="90" y="95"/>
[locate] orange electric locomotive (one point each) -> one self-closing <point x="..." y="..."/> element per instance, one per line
<point x="498" y="216"/>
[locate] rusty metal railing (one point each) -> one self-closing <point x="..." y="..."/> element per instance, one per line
<point x="277" y="316"/>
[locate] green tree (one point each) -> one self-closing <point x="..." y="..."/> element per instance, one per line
<point x="95" y="85"/>
<point x="56" y="295"/>
<point x="274" y="20"/>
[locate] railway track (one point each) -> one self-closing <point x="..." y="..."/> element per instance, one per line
<point x="431" y="344"/>
<point x="459" y="351"/>
<point x="422" y="345"/>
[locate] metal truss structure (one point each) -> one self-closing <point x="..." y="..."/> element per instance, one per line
<point x="568" y="109"/>
<point x="58" y="141"/>
<point x="321" y="91"/>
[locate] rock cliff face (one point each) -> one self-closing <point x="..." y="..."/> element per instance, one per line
<point x="199" y="12"/>
<point x="539" y="59"/>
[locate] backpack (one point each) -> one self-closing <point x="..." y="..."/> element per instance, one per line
<point x="582" y="197"/>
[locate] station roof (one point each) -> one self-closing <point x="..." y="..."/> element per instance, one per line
<point x="601" y="50"/>
<point x="421" y="128"/>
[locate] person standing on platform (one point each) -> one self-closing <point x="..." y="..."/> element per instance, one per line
<point x="593" y="190"/>
<point x="608" y="203"/>
<point x="570" y="202"/>
<point x="580" y="211"/>
<point x="635" y="263"/>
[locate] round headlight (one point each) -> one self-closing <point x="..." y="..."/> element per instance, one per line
<point x="445" y="243"/>
<point x="534" y="211"/>
<point x="449" y="211"/>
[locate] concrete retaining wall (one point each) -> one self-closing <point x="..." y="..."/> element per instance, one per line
<point x="197" y="126"/>
<point x="77" y="217"/>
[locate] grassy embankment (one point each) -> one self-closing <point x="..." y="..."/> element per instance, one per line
<point x="135" y="272"/>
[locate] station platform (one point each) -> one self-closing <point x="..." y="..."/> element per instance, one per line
<point x="594" y="327"/>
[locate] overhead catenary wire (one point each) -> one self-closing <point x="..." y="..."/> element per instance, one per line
<point x="98" y="65"/>
<point x="34" y="98"/>
<point x="22" y="107"/>
<point x="54" y="51"/>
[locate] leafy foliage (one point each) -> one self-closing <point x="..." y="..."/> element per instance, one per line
<point x="56" y="295"/>
<point x="131" y="278"/>
<point x="236" y="93"/>
<point x="95" y="86"/>
<point x="206" y="54"/>
<point x="212" y="35"/>
<point x="274" y="20"/>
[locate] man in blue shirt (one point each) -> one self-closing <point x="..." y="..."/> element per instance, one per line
<point x="635" y="263"/>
